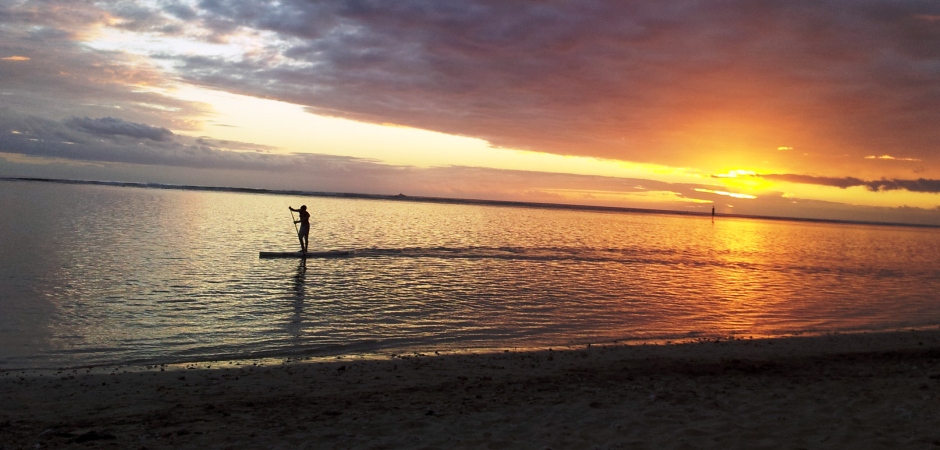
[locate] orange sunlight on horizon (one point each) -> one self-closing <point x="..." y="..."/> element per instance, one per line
<point x="291" y="129"/>
<point x="288" y="128"/>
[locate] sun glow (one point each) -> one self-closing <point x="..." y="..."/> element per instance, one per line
<point x="288" y="128"/>
<point x="736" y="174"/>
<point x="726" y="193"/>
<point x="744" y="179"/>
<point x="618" y="198"/>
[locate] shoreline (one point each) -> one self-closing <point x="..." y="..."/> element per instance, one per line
<point x="875" y="390"/>
<point x="275" y="357"/>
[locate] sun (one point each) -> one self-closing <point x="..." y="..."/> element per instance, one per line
<point x="743" y="179"/>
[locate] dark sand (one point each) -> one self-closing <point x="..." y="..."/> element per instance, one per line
<point x="837" y="391"/>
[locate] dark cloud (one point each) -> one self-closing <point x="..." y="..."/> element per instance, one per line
<point x="117" y="141"/>
<point x="137" y="17"/>
<point x="842" y="183"/>
<point x="112" y="126"/>
<point x="181" y="11"/>
<point x="633" y="80"/>
<point x="233" y="145"/>
<point x="918" y="185"/>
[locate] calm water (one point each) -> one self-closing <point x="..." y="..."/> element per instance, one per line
<point x="104" y="274"/>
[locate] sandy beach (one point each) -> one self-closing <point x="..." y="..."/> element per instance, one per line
<point x="835" y="391"/>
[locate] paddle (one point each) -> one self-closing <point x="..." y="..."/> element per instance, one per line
<point x="295" y="228"/>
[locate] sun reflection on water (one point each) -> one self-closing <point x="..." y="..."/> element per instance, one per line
<point x="148" y="275"/>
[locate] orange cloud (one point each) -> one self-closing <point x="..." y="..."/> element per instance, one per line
<point x="892" y="158"/>
<point x="726" y="193"/>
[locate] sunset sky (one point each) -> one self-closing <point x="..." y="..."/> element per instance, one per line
<point x="819" y="109"/>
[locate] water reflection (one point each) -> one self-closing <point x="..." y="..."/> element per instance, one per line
<point x="298" y="285"/>
<point x="151" y="274"/>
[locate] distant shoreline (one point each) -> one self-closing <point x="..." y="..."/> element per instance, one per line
<point x="457" y="201"/>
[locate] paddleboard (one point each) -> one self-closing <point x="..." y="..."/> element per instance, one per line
<point x="325" y="254"/>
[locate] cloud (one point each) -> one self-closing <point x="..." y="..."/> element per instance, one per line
<point x="918" y="185"/>
<point x="233" y="145"/>
<point x="892" y="158"/>
<point x="55" y="75"/>
<point x="117" y="141"/>
<point x="118" y="127"/>
<point x="675" y="83"/>
<point x="632" y="80"/>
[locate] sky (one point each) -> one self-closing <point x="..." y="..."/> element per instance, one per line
<point x="813" y="109"/>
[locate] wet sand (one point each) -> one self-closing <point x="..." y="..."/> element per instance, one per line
<point x="835" y="391"/>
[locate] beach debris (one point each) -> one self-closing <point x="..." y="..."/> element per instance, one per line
<point x="341" y="369"/>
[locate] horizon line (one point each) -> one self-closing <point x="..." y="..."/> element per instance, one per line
<point x="459" y="201"/>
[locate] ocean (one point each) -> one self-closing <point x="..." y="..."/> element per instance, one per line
<point x="108" y="274"/>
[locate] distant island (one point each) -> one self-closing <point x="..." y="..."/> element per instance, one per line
<point x="457" y="201"/>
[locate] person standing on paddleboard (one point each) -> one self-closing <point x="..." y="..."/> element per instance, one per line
<point x="304" y="222"/>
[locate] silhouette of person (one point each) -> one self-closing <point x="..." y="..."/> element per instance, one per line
<point x="304" y="231"/>
<point x="713" y="213"/>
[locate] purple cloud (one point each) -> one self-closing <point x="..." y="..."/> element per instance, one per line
<point x="112" y="126"/>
